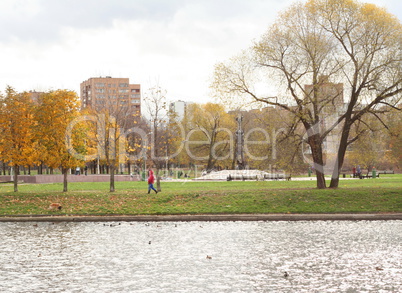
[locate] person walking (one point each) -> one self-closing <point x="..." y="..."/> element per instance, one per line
<point x="359" y="172"/>
<point x="151" y="180"/>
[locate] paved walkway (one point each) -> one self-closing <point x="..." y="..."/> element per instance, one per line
<point x="208" y="217"/>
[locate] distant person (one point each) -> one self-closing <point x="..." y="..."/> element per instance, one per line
<point x="358" y="171"/>
<point x="151" y="180"/>
<point x="354" y="172"/>
<point x="77" y="171"/>
<point x="86" y="170"/>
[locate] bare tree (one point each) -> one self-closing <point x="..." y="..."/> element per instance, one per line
<point x="114" y="116"/>
<point x="155" y="99"/>
<point x="312" y="50"/>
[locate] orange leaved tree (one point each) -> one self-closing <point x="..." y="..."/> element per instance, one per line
<point x="17" y="144"/>
<point x="55" y="111"/>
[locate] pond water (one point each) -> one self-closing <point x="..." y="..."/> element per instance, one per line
<point x="318" y="256"/>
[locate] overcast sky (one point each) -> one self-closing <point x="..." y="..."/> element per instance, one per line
<point x="57" y="44"/>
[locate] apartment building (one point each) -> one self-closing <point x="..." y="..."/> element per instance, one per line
<point x="34" y="95"/>
<point x="331" y="104"/>
<point x="107" y="92"/>
<point x="180" y="108"/>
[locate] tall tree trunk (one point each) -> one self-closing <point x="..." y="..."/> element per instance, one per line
<point x="340" y="157"/>
<point x="16" y="169"/>
<point x="158" y="179"/>
<point x="111" y="169"/>
<point x="316" y="151"/>
<point x="321" y="184"/>
<point x="210" y="162"/>
<point x="65" y="172"/>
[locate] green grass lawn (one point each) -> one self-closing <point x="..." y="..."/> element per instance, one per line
<point x="353" y="196"/>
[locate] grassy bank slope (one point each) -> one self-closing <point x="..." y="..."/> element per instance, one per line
<point x="131" y="198"/>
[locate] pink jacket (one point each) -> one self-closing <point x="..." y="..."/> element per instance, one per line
<point x="151" y="178"/>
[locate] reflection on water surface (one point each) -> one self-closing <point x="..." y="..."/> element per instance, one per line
<point x="318" y="256"/>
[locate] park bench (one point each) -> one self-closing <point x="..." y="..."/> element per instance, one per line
<point x="231" y="177"/>
<point x="242" y="177"/>
<point x="354" y="175"/>
<point x="345" y="172"/>
<point x="277" y="177"/>
<point x="385" y="172"/>
<point x="368" y="176"/>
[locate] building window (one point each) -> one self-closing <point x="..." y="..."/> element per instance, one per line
<point x="123" y="84"/>
<point x="123" y="91"/>
<point x="99" y="84"/>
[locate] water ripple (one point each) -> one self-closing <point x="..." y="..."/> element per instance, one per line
<point x="318" y="256"/>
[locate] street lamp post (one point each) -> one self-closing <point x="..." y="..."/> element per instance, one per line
<point x="240" y="143"/>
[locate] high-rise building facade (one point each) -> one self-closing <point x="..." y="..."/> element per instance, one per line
<point x="106" y="92"/>
<point x="180" y="108"/>
<point x="329" y="100"/>
<point x="35" y="96"/>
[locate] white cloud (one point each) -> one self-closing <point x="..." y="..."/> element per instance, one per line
<point x="57" y="44"/>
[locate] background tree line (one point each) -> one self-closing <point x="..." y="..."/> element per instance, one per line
<point x="34" y="133"/>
